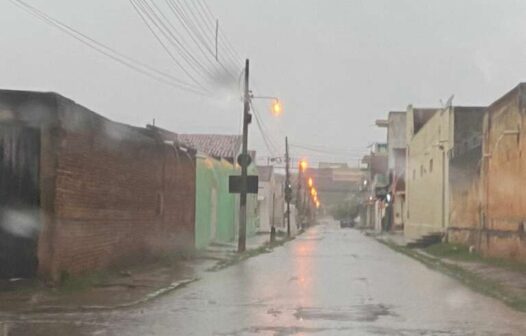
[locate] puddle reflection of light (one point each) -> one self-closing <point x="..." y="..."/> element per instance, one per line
<point x="303" y="270"/>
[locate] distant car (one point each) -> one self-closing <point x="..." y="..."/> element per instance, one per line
<point x="346" y="223"/>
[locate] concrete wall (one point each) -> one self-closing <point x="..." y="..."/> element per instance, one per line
<point x="464" y="202"/>
<point x="504" y="174"/>
<point x="110" y="193"/>
<point x="216" y="208"/>
<point x="266" y="206"/>
<point x="464" y="175"/>
<point x="396" y="136"/>
<point x="425" y="174"/>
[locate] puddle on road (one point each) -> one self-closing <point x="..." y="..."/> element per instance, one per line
<point x="309" y="238"/>
<point x="360" y="313"/>
<point x="278" y="331"/>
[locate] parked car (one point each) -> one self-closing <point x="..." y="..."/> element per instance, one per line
<point x="349" y="223"/>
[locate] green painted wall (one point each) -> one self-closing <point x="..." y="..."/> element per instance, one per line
<point x="206" y="181"/>
<point x="214" y="204"/>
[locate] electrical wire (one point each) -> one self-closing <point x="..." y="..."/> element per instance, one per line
<point x="208" y="12"/>
<point x="210" y="24"/>
<point x="320" y="150"/>
<point x="272" y="148"/>
<point x="208" y="53"/>
<point x="109" y="52"/>
<point x="149" y="17"/>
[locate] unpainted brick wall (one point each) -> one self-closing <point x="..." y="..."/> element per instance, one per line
<point x="121" y="194"/>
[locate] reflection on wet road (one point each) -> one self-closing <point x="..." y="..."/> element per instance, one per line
<point x="329" y="281"/>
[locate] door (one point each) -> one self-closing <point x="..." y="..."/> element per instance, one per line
<point x="19" y="200"/>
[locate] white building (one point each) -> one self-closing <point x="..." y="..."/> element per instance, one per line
<point x="271" y="200"/>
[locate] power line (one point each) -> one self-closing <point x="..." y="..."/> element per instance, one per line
<point x="206" y="53"/>
<point x="196" y="37"/>
<point x="229" y="46"/>
<point x="328" y="151"/>
<point x="107" y="51"/>
<point x="266" y="139"/>
<point x="145" y="12"/>
<point x="210" y="24"/>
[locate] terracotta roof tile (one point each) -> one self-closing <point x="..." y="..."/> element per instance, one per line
<point x="217" y="145"/>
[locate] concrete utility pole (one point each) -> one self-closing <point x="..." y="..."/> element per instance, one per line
<point x="288" y="188"/>
<point x="244" y="161"/>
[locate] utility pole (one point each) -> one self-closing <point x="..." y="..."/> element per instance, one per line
<point x="288" y="187"/>
<point x="244" y="161"/>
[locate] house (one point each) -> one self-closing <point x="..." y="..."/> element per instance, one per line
<point x="216" y="209"/>
<point x="396" y="161"/>
<point x="374" y="187"/>
<point x="79" y="192"/>
<point x="271" y="198"/>
<point x="501" y="232"/>
<point x="437" y="166"/>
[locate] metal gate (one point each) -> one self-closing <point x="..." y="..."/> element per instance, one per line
<point x="19" y="200"/>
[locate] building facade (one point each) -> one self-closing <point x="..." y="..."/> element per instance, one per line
<point x="96" y="193"/>
<point x="440" y="158"/>
<point x="502" y="230"/>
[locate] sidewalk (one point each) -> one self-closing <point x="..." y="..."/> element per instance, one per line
<point x="501" y="279"/>
<point x="125" y="287"/>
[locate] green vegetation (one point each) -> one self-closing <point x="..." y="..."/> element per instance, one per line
<point x="461" y="253"/>
<point x="473" y="280"/>
<point x="69" y="284"/>
<point x="348" y="209"/>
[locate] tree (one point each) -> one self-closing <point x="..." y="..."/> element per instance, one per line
<point x="347" y="209"/>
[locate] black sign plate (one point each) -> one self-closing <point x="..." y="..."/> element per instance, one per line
<point x="234" y="184"/>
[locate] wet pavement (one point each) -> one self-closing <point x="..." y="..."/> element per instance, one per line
<point x="328" y="281"/>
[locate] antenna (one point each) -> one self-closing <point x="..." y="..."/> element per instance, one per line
<point x="449" y="102"/>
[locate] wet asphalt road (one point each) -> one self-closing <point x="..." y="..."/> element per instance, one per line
<point x="329" y="281"/>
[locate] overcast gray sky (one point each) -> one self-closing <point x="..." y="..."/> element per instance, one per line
<point x="336" y="65"/>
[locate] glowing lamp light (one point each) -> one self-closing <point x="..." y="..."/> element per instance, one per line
<point x="310" y="182"/>
<point x="303" y="165"/>
<point x="277" y="109"/>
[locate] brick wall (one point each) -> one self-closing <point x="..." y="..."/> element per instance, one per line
<point x="120" y="193"/>
<point x="110" y="193"/>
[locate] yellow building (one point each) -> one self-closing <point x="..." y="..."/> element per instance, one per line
<point x="433" y="135"/>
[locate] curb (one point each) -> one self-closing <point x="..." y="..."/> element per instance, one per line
<point x="146" y="298"/>
<point x="469" y="279"/>
<point x="250" y="253"/>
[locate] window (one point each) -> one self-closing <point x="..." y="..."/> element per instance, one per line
<point x="431" y="165"/>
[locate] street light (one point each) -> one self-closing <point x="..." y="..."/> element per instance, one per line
<point x="244" y="159"/>
<point x="310" y="182"/>
<point x="303" y="165"/>
<point x="277" y="107"/>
